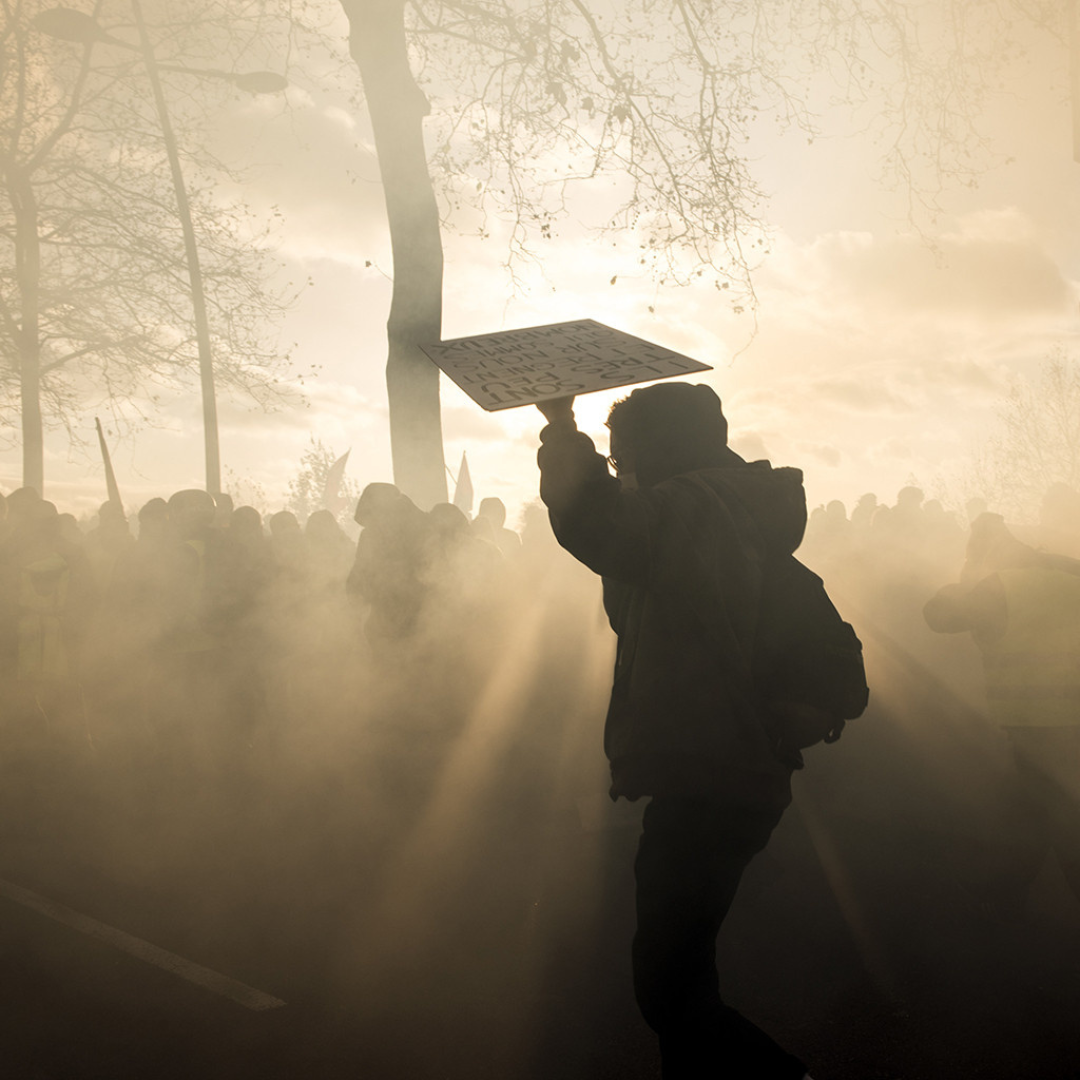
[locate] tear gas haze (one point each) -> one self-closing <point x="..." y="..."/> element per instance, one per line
<point x="319" y="758"/>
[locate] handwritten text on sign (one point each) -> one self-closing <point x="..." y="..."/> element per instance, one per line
<point x="520" y="367"/>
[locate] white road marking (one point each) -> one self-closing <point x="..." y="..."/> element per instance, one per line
<point x="213" y="981"/>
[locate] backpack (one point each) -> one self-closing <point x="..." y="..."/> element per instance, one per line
<point x="807" y="665"/>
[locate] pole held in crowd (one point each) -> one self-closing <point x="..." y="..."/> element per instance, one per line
<point x="110" y="477"/>
<point x="463" y="489"/>
<point x="332" y="499"/>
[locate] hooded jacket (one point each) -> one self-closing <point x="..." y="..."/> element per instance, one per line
<point x="681" y="566"/>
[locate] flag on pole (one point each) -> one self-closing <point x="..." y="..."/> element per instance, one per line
<point x="332" y="499"/>
<point x="463" y="490"/>
<point x="110" y="477"/>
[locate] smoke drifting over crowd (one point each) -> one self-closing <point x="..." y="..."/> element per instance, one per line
<point x="307" y="771"/>
<point x="368" y="779"/>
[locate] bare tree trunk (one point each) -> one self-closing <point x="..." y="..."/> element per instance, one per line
<point x="28" y="277"/>
<point x="33" y="434"/>
<point x="398" y="107"/>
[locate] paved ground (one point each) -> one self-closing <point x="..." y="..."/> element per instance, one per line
<point x="430" y="935"/>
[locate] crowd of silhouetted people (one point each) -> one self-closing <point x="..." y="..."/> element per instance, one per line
<point x="882" y="563"/>
<point x="924" y="537"/>
<point x="426" y="667"/>
<point x="198" y="631"/>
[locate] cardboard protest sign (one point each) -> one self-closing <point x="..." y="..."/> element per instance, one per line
<point x="521" y="367"/>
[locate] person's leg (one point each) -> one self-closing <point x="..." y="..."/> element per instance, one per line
<point x="690" y="858"/>
<point x="1016" y="839"/>
<point x="1044" y="811"/>
<point x="1049" y="767"/>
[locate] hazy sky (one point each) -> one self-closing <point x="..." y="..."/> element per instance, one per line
<point x="880" y="355"/>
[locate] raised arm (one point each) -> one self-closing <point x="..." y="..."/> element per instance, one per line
<point x="593" y="517"/>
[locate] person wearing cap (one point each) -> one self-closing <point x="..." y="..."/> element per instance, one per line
<point x="678" y="536"/>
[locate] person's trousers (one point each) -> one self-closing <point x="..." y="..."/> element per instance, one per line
<point x="690" y="858"/>
<point x="1044" y="804"/>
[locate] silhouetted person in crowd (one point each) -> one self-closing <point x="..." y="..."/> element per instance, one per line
<point x="253" y="549"/>
<point x="207" y="562"/>
<point x="493" y="510"/>
<point x="389" y="573"/>
<point x="19" y="500"/>
<point x="223" y="509"/>
<point x="482" y="529"/>
<point x="211" y="594"/>
<point x="465" y="576"/>
<point x="904" y="522"/>
<point x="1059" y="519"/>
<point x="46" y="597"/>
<point x="460" y="559"/>
<point x="944" y="534"/>
<point x="836" y="519"/>
<point x="108" y="542"/>
<point x="678" y="537"/>
<point x="1022" y="607"/>
<point x="330" y="552"/>
<point x="863" y="513"/>
<point x="145" y="601"/>
<point x="828" y="531"/>
<point x="245" y="527"/>
<point x="19" y="503"/>
<point x="71" y="531"/>
<point x="153" y="519"/>
<point x="287" y="544"/>
<point x="538" y="542"/>
<point x="139" y="580"/>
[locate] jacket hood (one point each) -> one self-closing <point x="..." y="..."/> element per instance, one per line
<point x="774" y="499"/>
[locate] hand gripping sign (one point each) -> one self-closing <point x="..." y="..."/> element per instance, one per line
<point x="522" y="367"/>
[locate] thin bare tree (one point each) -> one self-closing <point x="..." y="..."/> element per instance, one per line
<point x="1034" y="443"/>
<point x="95" y="288"/>
<point x="529" y="100"/>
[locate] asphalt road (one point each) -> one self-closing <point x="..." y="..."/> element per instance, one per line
<point x="420" y="937"/>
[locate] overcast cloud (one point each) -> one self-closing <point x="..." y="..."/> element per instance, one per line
<point x="879" y="354"/>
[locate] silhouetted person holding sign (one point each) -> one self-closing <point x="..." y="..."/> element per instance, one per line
<point x="681" y="536"/>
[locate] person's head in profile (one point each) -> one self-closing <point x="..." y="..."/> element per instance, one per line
<point x="492" y="509"/>
<point x="992" y="547"/>
<point x="191" y="512"/>
<point x="379" y="504"/>
<point x="153" y="520"/>
<point x="664" y="430"/>
<point x="284" y="524"/>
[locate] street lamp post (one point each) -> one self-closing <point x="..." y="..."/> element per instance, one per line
<point x="191" y="251"/>
<point x="1074" y="75"/>
<point x="71" y="25"/>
